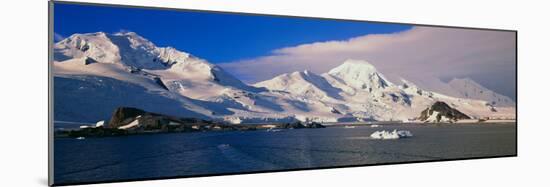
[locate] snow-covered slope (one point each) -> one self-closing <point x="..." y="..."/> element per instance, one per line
<point x="128" y="59"/>
<point x="468" y="88"/>
<point x="465" y="88"/>
<point x="97" y="72"/>
<point x="93" y="98"/>
<point x="132" y="53"/>
<point x="360" y="74"/>
<point x="357" y="91"/>
<point x="303" y="83"/>
<point x="125" y="47"/>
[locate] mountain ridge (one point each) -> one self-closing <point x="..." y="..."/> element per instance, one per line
<point x="468" y="88"/>
<point x="353" y="91"/>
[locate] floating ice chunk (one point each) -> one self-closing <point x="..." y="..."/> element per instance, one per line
<point x="100" y="123"/>
<point x="272" y="129"/>
<point x="388" y="135"/>
<point x="404" y="133"/>
<point x="384" y="135"/>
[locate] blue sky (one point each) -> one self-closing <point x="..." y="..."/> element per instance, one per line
<point x="216" y="37"/>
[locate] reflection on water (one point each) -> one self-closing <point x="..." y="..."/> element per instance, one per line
<point x="187" y="154"/>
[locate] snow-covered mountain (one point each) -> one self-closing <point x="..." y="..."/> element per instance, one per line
<point x="468" y="88"/>
<point x="360" y="92"/>
<point x="361" y="75"/>
<point x="97" y="72"/>
<point x="303" y="83"/>
<point x="129" y="70"/>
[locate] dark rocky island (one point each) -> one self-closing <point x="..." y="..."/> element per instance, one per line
<point x="130" y="121"/>
<point x="441" y="112"/>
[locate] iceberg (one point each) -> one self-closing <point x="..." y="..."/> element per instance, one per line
<point x="389" y="135"/>
<point x="100" y="123"/>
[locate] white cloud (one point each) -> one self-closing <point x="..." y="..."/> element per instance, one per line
<point x="418" y="54"/>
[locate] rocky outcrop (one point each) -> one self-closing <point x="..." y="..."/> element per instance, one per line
<point x="129" y="121"/>
<point x="124" y="115"/>
<point x="441" y="112"/>
<point x="314" y="125"/>
<point x="300" y="125"/>
<point x="89" y="60"/>
<point x="160" y="83"/>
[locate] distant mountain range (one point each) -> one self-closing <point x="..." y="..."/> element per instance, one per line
<point x="95" y="73"/>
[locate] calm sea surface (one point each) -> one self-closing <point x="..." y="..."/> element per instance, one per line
<point x="188" y="154"/>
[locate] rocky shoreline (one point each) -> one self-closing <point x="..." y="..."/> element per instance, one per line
<point x="132" y="121"/>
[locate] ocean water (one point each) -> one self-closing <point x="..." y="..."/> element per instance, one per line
<point x="190" y="154"/>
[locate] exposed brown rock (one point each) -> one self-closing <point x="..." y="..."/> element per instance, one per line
<point x="124" y="115"/>
<point x="443" y="110"/>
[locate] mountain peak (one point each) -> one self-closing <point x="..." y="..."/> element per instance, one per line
<point x="468" y="88"/>
<point x="129" y="34"/>
<point x="135" y="40"/>
<point x="304" y="82"/>
<point x="360" y="74"/>
<point x="359" y="65"/>
<point x="100" y="33"/>
<point x="303" y="74"/>
<point x="124" y="47"/>
<point x="122" y="33"/>
<point x="97" y="46"/>
<point x="83" y="37"/>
